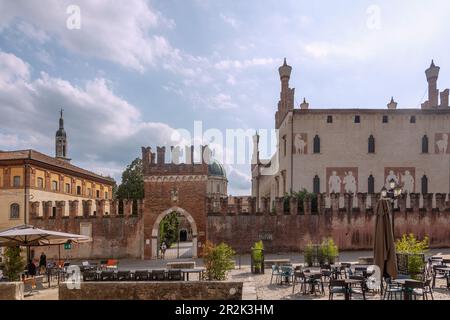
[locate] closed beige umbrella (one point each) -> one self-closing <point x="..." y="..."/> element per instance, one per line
<point x="384" y="244"/>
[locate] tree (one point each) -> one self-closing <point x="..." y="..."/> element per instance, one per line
<point x="132" y="186"/>
<point x="168" y="228"/>
<point x="14" y="264"/>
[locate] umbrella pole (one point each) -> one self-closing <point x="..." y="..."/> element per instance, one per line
<point x="59" y="259"/>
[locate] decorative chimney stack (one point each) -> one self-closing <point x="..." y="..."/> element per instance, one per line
<point x="392" y="105"/>
<point x="161" y="155"/>
<point x="444" y="98"/>
<point x="255" y="156"/>
<point x="286" y="102"/>
<point x="432" y="74"/>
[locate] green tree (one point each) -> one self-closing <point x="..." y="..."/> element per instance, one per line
<point x="132" y="186"/>
<point x="168" y="228"/>
<point x="14" y="264"/>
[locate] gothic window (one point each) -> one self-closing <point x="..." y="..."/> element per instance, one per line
<point x="385" y="119"/>
<point x="316" y="144"/>
<point x="14" y="211"/>
<point x="371" y="144"/>
<point x="54" y="185"/>
<point x="371" y="184"/>
<point x="357" y="119"/>
<point x="40" y="183"/>
<point x="316" y="184"/>
<point x="67" y="187"/>
<point x="425" y="144"/>
<point x="330" y="119"/>
<point x="424" y="184"/>
<point x="79" y="190"/>
<point x="16" y="181"/>
<point x="412" y="119"/>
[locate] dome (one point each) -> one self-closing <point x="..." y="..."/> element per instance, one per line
<point x="61" y="133"/>
<point x="216" y="169"/>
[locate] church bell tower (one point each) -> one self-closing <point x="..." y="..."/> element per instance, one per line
<point x="61" y="141"/>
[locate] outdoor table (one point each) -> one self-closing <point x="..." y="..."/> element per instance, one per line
<point x="406" y="294"/>
<point x="199" y="271"/>
<point x="348" y="284"/>
<point x="309" y="275"/>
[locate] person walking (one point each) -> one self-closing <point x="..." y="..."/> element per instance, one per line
<point x="163" y="249"/>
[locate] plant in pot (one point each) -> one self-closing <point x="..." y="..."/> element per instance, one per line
<point x="257" y="256"/>
<point x="414" y="249"/>
<point x="308" y="254"/>
<point x="329" y="250"/>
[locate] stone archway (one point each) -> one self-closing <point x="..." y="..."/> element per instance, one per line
<point x="155" y="230"/>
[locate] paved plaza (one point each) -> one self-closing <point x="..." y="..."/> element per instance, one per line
<point x="257" y="287"/>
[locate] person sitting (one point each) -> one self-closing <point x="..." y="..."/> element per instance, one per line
<point x="31" y="268"/>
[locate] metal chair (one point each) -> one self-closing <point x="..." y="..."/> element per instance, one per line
<point x="275" y="272"/>
<point x="123" y="276"/>
<point x="141" y="275"/>
<point x="108" y="275"/>
<point x="158" y="275"/>
<point x="360" y="289"/>
<point x="392" y="290"/>
<point x="336" y="286"/>
<point x="416" y="289"/>
<point x="174" y="275"/>
<point x="287" y="273"/>
<point x="89" y="275"/>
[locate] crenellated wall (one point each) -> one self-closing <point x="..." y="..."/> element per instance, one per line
<point x="118" y="234"/>
<point x="291" y="227"/>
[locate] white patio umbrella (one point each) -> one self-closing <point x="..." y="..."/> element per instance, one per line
<point x="30" y="236"/>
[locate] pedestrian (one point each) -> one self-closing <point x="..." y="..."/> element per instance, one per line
<point x="163" y="249"/>
<point x="42" y="263"/>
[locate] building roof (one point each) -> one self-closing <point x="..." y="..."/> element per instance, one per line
<point x="216" y="169"/>
<point x="33" y="155"/>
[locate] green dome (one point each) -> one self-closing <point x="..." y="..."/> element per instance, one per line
<point x="216" y="169"/>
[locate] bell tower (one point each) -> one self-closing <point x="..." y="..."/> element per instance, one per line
<point x="61" y="140"/>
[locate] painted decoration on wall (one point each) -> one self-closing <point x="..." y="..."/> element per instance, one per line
<point x="406" y="177"/>
<point x="342" y="180"/>
<point x="441" y="145"/>
<point x="300" y="143"/>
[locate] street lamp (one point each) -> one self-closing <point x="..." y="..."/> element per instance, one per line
<point x="395" y="191"/>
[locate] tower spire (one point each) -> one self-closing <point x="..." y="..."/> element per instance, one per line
<point x="61" y="139"/>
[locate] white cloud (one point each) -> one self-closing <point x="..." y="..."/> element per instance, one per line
<point x="239" y="65"/>
<point x="229" y="20"/>
<point x="124" y="32"/>
<point x="102" y="127"/>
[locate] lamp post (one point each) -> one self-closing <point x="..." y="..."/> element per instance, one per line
<point x="394" y="192"/>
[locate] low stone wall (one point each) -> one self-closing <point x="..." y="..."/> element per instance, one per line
<point x="11" y="291"/>
<point x="200" y="290"/>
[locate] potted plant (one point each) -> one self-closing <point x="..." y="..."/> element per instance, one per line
<point x="258" y="256"/>
<point x="412" y="252"/>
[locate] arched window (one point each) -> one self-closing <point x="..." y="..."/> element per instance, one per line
<point x="316" y="184"/>
<point x="371" y="144"/>
<point x="424" y="184"/>
<point x="54" y="185"/>
<point x="78" y="190"/>
<point x="425" y="144"/>
<point x="371" y="184"/>
<point x="316" y="144"/>
<point x="40" y="183"/>
<point x="14" y="211"/>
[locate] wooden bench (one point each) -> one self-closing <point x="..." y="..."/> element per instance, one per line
<point x="181" y="265"/>
<point x="276" y="262"/>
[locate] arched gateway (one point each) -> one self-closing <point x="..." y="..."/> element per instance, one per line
<point x="155" y="230"/>
<point x="173" y="187"/>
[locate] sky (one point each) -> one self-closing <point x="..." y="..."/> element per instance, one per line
<point x="130" y="73"/>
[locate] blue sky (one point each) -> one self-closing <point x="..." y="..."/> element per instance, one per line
<point x="137" y="70"/>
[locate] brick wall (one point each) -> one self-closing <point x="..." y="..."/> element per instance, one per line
<point x="350" y="231"/>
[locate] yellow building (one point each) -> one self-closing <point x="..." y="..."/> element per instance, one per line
<point x="47" y="184"/>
